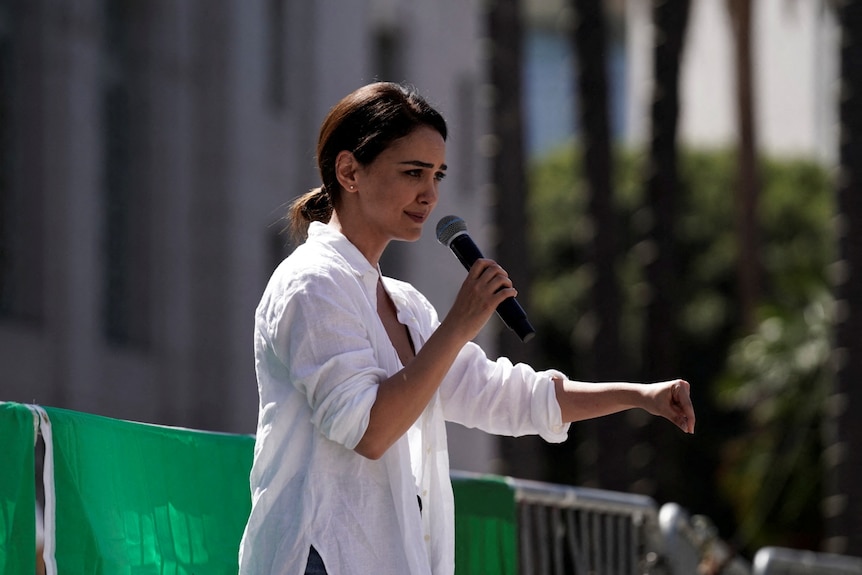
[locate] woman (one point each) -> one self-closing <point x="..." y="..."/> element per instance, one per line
<point x="357" y="376"/>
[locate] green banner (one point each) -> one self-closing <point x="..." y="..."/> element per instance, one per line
<point x="17" y="490"/>
<point x="140" y="499"/>
<point x="486" y="527"/>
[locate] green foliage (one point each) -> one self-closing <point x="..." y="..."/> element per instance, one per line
<point x="560" y="237"/>
<point x="780" y="378"/>
<point x="797" y="242"/>
<point x="796" y="247"/>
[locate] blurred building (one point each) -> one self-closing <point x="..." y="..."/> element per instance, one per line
<point x="795" y="57"/>
<point x="550" y="76"/>
<point x="795" y="69"/>
<point x="148" y="151"/>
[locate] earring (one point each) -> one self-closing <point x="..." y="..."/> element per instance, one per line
<point x="351" y="187"/>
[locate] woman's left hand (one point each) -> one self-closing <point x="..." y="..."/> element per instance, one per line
<point x="671" y="400"/>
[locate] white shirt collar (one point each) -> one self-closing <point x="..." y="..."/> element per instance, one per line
<point x="329" y="236"/>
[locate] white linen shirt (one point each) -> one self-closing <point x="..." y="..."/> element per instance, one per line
<point x="320" y="352"/>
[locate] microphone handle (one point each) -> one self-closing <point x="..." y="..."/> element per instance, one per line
<point x="465" y="250"/>
<point x="509" y="310"/>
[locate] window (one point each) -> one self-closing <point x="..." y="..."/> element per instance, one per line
<point x="7" y="196"/>
<point x="467" y="129"/>
<point x="21" y="261"/>
<point x="276" y="54"/>
<point x="278" y="247"/>
<point x="125" y="242"/>
<point x="388" y="54"/>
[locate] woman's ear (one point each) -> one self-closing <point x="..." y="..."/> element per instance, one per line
<point x="346" y="167"/>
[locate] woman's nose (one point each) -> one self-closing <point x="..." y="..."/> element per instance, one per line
<point x="429" y="194"/>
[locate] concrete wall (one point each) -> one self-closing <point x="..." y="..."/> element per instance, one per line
<point x="217" y="158"/>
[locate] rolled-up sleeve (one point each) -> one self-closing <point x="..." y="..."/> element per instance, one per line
<point x="324" y="344"/>
<point x="502" y="398"/>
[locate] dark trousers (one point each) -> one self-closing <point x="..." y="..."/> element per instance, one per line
<point x="315" y="563"/>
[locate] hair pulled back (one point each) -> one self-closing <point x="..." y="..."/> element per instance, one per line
<point x="365" y="123"/>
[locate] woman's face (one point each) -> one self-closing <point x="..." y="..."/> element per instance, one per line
<point x="399" y="189"/>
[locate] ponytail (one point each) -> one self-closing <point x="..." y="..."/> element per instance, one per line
<point x="312" y="206"/>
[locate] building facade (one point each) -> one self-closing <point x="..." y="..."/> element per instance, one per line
<point x="148" y="151"/>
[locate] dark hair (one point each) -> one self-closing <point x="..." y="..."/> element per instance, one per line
<point x="365" y="123"/>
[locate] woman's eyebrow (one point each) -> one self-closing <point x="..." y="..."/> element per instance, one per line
<point x="421" y="164"/>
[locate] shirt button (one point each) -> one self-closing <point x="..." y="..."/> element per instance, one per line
<point x="427" y="538"/>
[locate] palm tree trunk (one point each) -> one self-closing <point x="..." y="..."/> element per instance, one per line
<point x="663" y="189"/>
<point x="660" y="346"/>
<point x="523" y="454"/>
<point x="589" y="41"/>
<point x="609" y="436"/>
<point x="748" y="180"/>
<point x="843" y="502"/>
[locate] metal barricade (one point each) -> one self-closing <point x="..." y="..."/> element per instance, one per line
<point x="564" y="529"/>
<point x="782" y="561"/>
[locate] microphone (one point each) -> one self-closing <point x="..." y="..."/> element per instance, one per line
<point x="452" y="233"/>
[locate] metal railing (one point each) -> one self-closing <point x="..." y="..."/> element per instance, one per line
<point x="781" y="561"/>
<point x="564" y="529"/>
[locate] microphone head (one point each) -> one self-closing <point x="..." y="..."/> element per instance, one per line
<point x="448" y="227"/>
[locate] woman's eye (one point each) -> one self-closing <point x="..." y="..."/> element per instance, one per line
<point x="439" y="176"/>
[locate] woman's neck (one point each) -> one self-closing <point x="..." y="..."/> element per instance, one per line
<point x="370" y="249"/>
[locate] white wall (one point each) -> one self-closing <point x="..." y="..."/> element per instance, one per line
<point x="795" y="67"/>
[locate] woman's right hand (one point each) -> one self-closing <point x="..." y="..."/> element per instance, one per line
<point x="402" y="397"/>
<point x="487" y="285"/>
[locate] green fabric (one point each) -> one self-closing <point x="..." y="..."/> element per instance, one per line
<point x="486" y="530"/>
<point x="17" y="490"/>
<point x="140" y="499"/>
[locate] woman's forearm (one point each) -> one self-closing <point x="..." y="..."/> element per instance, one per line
<point x="670" y="399"/>
<point x="585" y="400"/>
<point x="402" y="397"/>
